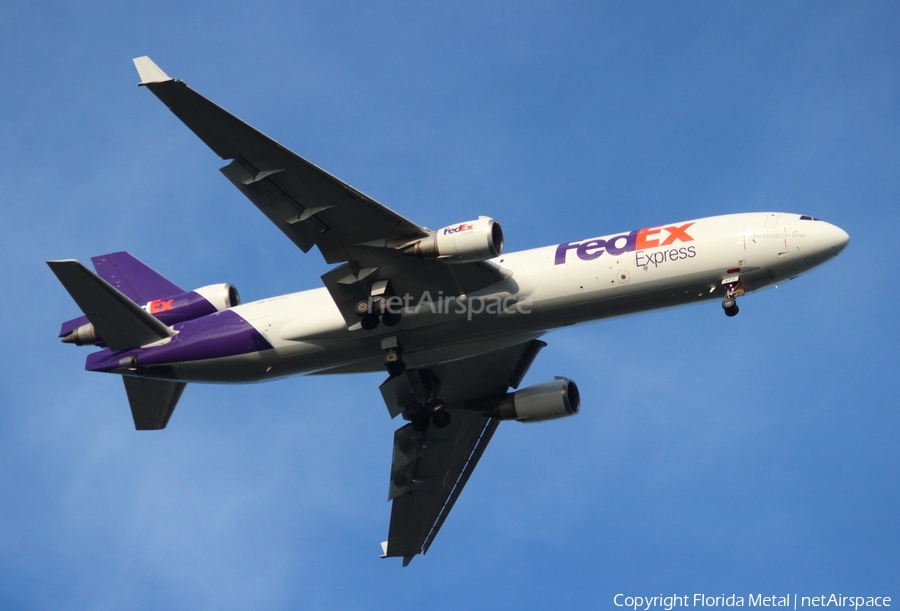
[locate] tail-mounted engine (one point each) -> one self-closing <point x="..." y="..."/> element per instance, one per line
<point x="220" y="296"/>
<point x="169" y="310"/>
<point x="461" y="243"/>
<point x="547" y="401"/>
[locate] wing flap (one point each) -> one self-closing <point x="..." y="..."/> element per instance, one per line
<point x="280" y="208"/>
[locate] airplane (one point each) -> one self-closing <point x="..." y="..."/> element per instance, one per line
<point x="453" y="320"/>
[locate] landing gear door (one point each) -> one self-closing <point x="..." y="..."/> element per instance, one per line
<point x="757" y="279"/>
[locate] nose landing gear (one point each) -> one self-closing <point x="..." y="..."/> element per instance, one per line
<point x="729" y="304"/>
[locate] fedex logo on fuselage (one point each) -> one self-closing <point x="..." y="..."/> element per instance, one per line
<point x="452" y="230"/>
<point x="639" y="239"/>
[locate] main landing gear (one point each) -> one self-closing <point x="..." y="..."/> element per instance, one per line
<point x="377" y="308"/>
<point x="432" y="412"/>
<point x="375" y="311"/>
<point x="424" y="406"/>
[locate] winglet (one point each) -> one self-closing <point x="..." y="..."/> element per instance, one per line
<point x="149" y="72"/>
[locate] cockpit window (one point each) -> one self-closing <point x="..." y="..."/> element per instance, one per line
<point x="809" y="218"/>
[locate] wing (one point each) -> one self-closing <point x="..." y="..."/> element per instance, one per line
<point x="430" y="467"/>
<point x="312" y="207"/>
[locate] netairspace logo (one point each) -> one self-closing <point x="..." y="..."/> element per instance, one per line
<point x="785" y="601"/>
<point x="471" y="306"/>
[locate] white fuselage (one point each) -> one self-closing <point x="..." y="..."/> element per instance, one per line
<point x="546" y="288"/>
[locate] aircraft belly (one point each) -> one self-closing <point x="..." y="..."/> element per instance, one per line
<point x="609" y="303"/>
<point x="287" y="320"/>
<point x="269" y="364"/>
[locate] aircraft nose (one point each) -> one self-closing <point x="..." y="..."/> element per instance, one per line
<point x="840" y="239"/>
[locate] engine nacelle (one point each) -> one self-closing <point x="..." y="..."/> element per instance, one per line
<point x="461" y="243"/>
<point x="547" y="401"/>
<point x="170" y="310"/>
<point x="220" y="296"/>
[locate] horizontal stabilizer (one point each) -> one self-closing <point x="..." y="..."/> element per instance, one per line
<point x="152" y="401"/>
<point x="120" y="322"/>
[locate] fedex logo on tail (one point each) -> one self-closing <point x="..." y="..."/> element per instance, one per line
<point x="639" y="239"/>
<point x="158" y="305"/>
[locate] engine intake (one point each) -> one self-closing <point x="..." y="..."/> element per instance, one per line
<point x="461" y="243"/>
<point x="221" y="296"/>
<point x="547" y="401"/>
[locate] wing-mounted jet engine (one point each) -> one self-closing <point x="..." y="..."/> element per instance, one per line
<point x="547" y="401"/>
<point x="462" y="243"/>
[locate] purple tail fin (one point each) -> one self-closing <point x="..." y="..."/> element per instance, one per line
<point x="134" y="279"/>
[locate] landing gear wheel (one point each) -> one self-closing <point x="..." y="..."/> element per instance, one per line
<point x="369" y="322"/>
<point x="362" y="309"/>
<point x="390" y="318"/>
<point x="420" y="424"/>
<point x="394" y="364"/>
<point x="729" y="304"/>
<point x="379" y="304"/>
<point x="441" y="420"/>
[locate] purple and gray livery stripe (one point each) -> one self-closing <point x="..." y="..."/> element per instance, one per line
<point x="215" y="336"/>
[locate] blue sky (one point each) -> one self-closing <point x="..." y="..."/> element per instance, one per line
<point x="712" y="455"/>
